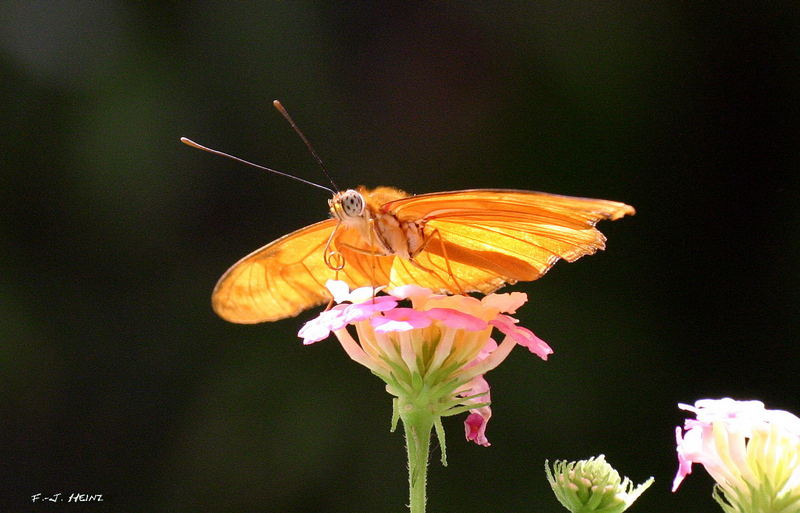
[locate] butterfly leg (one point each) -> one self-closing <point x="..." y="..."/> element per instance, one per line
<point x="333" y="259"/>
<point x="361" y="250"/>
<point x="435" y="233"/>
<point x="373" y="259"/>
<point x="446" y="287"/>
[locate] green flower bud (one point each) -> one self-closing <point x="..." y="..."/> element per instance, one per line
<point x="592" y="486"/>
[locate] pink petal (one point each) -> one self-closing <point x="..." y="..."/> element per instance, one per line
<point x="359" y="311"/>
<point x="412" y="292"/>
<point x="475" y="429"/>
<point x="401" y="319"/>
<point x="457" y="320"/>
<point x="382" y="325"/>
<point x="786" y="420"/>
<point x="523" y="336"/>
<point x="339" y="289"/>
<point x="463" y="304"/>
<point x="475" y="423"/>
<point x="740" y="415"/>
<point x="321" y="326"/>
<point x="684" y="462"/>
<point x="362" y="294"/>
<point x="507" y="303"/>
<point x="313" y="331"/>
<point x="486" y="350"/>
<point x="341" y="292"/>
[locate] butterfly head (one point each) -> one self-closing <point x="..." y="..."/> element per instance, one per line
<point x="347" y="206"/>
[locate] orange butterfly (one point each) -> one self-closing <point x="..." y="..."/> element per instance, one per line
<point x="451" y="242"/>
<point x="461" y="241"/>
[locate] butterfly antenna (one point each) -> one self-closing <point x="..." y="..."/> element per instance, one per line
<point x="193" y="144"/>
<point x="285" y="114"/>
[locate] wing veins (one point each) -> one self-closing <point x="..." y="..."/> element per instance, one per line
<point x="507" y="251"/>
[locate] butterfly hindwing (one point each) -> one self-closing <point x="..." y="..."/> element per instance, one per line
<point x="288" y="275"/>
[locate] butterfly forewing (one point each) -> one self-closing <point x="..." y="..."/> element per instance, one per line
<point x="492" y="237"/>
<point x="562" y="209"/>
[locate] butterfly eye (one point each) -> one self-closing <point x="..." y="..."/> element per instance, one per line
<point x="352" y="203"/>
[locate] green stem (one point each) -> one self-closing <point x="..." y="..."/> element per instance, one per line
<point x="418" y="425"/>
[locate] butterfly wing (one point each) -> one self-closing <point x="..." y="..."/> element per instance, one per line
<point x="288" y="275"/>
<point x="478" y="240"/>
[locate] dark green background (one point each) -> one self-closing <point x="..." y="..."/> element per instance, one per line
<point x="118" y="379"/>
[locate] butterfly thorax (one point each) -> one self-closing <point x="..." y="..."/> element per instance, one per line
<point x="381" y="232"/>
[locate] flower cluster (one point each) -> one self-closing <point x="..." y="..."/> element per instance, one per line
<point x="433" y="354"/>
<point x="592" y="486"/>
<point x="752" y="453"/>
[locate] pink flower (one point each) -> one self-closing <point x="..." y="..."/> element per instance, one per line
<point x="436" y="352"/>
<point x="752" y="453"/>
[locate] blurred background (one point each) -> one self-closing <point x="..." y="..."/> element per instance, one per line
<point x="118" y="379"/>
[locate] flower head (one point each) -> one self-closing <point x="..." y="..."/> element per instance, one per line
<point x="592" y="486"/>
<point x="433" y="353"/>
<point x="752" y="453"/>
